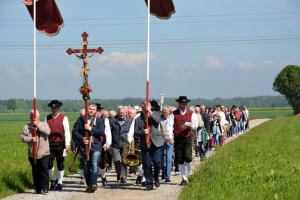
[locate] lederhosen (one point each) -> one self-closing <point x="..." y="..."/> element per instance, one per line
<point x="183" y="142"/>
<point x="56" y="141"/>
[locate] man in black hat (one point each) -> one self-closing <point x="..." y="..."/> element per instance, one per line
<point x="150" y="153"/>
<point x="181" y="122"/>
<point x="106" y="141"/>
<point x="59" y="141"/>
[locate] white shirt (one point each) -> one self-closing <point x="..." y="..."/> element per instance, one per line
<point x="66" y="128"/>
<point x="107" y="133"/>
<point x="170" y="123"/>
<point x="131" y="129"/>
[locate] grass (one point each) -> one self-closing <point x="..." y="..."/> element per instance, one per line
<point x="15" y="169"/>
<point x="262" y="164"/>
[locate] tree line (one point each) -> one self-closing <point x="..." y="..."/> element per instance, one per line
<point x="72" y="105"/>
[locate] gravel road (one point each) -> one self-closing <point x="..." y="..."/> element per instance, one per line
<point x="117" y="191"/>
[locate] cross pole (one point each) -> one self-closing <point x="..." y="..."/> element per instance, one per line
<point x="85" y="69"/>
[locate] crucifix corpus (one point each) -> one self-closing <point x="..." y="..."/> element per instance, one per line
<point x="83" y="54"/>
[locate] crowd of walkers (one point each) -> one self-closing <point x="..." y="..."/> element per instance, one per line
<point x="164" y="139"/>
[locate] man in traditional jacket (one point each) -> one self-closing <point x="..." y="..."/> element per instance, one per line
<point x="181" y="122"/>
<point x="59" y="141"/>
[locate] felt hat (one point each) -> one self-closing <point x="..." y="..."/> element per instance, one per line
<point x="99" y="106"/>
<point x="55" y="104"/>
<point x="154" y="105"/>
<point x="182" y="99"/>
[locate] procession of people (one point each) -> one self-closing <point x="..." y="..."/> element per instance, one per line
<point x="176" y="136"/>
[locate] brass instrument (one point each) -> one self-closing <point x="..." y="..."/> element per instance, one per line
<point x="131" y="156"/>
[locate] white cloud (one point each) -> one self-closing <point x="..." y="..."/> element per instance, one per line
<point x="267" y="62"/>
<point x="12" y="72"/>
<point x="213" y="62"/>
<point x="129" y="60"/>
<point x="244" y="64"/>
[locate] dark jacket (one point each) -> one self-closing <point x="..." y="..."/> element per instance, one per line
<point x="119" y="133"/>
<point x="206" y="121"/>
<point x="79" y="132"/>
<point x="155" y="133"/>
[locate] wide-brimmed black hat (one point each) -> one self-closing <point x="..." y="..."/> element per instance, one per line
<point x="154" y="105"/>
<point x="182" y="99"/>
<point x="99" y="106"/>
<point x="55" y="104"/>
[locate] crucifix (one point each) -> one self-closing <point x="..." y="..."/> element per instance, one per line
<point x="83" y="55"/>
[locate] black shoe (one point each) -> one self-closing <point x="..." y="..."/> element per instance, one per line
<point x="118" y="177"/>
<point x="149" y="187"/>
<point x="53" y="184"/>
<point x="183" y="182"/>
<point x="138" y="180"/>
<point x="144" y="183"/>
<point x="167" y="180"/>
<point x="104" y="181"/>
<point x="45" y="191"/>
<point x="94" y="188"/>
<point x="162" y="175"/>
<point x="88" y="189"/>
<point x="58" y="186"/>
<point x="122" y="180"/>
<point x="157" y="183"/>
<point x="37" y="192"/>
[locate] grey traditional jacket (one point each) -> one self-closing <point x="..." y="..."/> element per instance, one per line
<point x="155" y="133"/>
<point x="42" y="133"/>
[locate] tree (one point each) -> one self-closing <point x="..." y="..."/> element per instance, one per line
<point x="287" y="83"/>
<point x="11" y="104"/>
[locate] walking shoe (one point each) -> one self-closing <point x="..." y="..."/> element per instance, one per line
<point x="157" y="183"/>
<point x="58" y="186"/>
<point x="144" y="183"/>
<point x="177" y="173"/>
<point x="82" y="181"/>
<point x="88" y="189"/>
<point x="138" y="180"/>
<point x="45" y="191"/>
<point x="104" y="182"/>
<point x="37" y="192"/>
<point x="118" y="177"/>
<point x="53" y="184"/>
<point x="183" y="182"/>
<point x="167" y="180"/>
<point x="122" y="180"/>
<point x="94" y="188"/>
<point x="149" y="187"/>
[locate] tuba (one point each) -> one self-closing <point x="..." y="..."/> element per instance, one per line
<point x="131" y="156"/>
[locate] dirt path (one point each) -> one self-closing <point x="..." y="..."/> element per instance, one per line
<point x="117" y="191"/>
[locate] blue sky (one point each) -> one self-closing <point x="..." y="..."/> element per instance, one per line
<point x="207" y="49"/>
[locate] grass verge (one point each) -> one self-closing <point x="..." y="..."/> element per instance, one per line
<point x="262" y="164"/>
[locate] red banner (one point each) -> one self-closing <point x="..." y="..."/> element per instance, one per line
<point x="162" y="9"/>
<point x="48" y="18"/>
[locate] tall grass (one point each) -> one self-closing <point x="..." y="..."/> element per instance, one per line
<point x="262" y="164"/>
<point x="15" y="169"/>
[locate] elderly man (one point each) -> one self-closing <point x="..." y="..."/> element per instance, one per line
<point x="119" y="127"/>
<point x="181" y="122"/>
<point x="167" y="150"/>
<point x="40" y="168"/>
<point x="59" y="141"/>
<point x="95" y="129"/>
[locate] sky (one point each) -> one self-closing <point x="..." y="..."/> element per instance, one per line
<point x="207" y="49"/>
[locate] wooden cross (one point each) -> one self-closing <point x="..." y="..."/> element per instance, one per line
<point x="84" y="72"/>
<point x="84" y="55"/>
